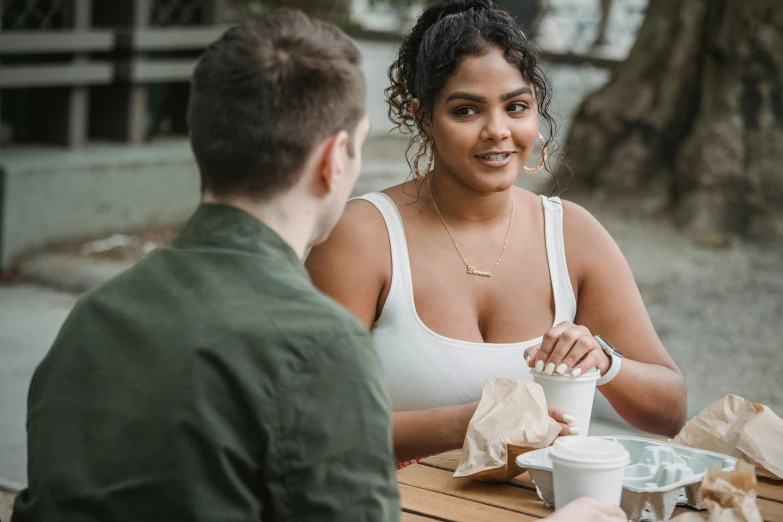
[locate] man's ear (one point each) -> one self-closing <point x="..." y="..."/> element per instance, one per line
<point x="333" y="158"/>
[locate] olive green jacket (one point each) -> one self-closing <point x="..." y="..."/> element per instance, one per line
<point x="210" y="382"/>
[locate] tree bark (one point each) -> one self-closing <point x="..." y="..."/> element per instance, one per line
<point x="694" y="116"/>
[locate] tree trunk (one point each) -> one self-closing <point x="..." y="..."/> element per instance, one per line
<point x="528" y="13"/>
<point x="694" y="116"/>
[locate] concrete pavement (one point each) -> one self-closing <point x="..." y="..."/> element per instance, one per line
<point x="30" y="317"/>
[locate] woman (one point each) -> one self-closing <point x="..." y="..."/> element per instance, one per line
<point x="454" y="269"/>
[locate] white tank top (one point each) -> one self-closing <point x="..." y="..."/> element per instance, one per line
<point x="424" y="369"/>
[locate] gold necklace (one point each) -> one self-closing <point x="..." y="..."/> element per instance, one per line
<point x="472" y="269"/>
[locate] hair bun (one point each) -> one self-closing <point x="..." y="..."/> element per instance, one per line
<point x="450" y="7"/>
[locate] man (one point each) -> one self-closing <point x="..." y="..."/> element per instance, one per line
<point x="212" y="381"/>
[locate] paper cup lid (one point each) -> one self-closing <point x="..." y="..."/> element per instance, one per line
<point x="590" y="375"/>
<point x="587" y="450"/>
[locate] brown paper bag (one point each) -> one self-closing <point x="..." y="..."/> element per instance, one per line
<point x="729" y="496"/>
<point x="739" y="428"/>
<point x="511" y="419"/>
<point x="690" y="517"/>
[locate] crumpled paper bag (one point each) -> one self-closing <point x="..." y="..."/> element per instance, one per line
<point x="742" y="429"/>
<point x="511" y="419"/>
<point x="729" y="496"/>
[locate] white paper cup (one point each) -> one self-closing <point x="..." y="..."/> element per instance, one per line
<point x="574" y="395"/>
<point x="587" y="467"/>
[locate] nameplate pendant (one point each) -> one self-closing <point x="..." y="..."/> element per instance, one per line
<point x="472" y="271"/>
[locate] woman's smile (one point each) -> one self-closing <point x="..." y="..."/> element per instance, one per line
<point x="495" y="159"/>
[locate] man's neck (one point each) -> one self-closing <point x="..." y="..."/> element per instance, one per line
<point x="291" y="221"/>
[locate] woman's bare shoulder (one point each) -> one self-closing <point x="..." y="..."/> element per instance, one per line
<point x="588" y="244"/>
<point x="528" y="198"/>
<point x="353" y="266"/>
<point x="581" y="226"/>
<point x="361" y="228"/>
<point x="404" y="194"/>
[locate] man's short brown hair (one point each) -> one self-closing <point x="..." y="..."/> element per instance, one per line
<point x="264" y="94"/>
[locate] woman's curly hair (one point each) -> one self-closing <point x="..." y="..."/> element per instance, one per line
<point x="446" y="33"/>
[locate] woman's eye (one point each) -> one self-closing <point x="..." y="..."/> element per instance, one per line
<point x="517" y="107"/>
<point x="465" y="111"/>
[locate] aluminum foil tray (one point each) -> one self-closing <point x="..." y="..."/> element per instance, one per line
<point x="660" y="476"/>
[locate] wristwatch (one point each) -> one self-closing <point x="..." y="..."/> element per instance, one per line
<point x="615" y="355"/>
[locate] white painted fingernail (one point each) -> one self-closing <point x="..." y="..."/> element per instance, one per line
<point x="576" y="372"/>
<point x="573" y="430"/>
<point x="569" y="419"/>
<point x="527" y="360"/>
<point x="562" y="368"/>
<point x="539" y="366"/>
<point x="549" y="368"/>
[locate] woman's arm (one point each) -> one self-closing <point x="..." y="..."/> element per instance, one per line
<point x="423" y="433"/>
<point x="649" y="392"/>
<point x="353" y="266"/>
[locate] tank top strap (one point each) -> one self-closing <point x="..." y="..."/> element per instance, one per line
<point x="401" y="276"/>
<point x="565" y="300"/>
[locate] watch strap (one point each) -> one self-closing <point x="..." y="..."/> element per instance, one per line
<point x="614" y="369"/>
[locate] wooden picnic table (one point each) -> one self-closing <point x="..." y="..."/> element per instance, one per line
<point x="430" y="492"/>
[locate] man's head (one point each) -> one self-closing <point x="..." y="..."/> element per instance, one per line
<point x="278" y="104"/>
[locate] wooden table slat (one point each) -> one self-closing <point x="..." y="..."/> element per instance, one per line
<point x="426" y="502"/>
<point x="525" y="500"/>
<point x="505" y="496"/>
<point x="770" y="510"/>
<point x="770" y="489"/>
<point x="411" y="517"/>
<point x="767" y="489"/>
<point x="449" y="461"/>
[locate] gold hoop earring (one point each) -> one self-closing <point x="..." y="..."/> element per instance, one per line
<point x="543" y="156"/>
<point x="430" y="159"/>
<point x="416" y="157"/>
<point x="424" y="148"/>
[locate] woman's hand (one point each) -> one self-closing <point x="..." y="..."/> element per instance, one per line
<point x="565" y="419"/>
<point x="588" y="510"/>
<point x="567" y="348"/>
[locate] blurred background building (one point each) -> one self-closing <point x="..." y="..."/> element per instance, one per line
<point x="93" y="95"/>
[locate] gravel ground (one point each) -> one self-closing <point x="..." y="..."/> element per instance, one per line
<point x="715" y="309"/>
<point x="6" y="503"/>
